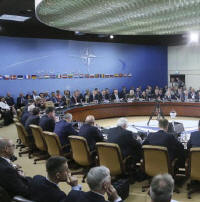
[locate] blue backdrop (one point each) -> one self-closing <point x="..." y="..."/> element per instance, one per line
<point x="22" y="56"/>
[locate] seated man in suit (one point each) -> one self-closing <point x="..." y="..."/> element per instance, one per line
<point x="194" y="140"/>
<point x="21" y="101"/>
<point x="115" y="96"/>
<point x="26" y="113"/>
<point x="9" y="99"/>
<point x="161" y="188"/>
<point x="47" y="122"/>
<point x="164" y="139"/>
<point x="11" y="177"/>
<point x="99" y="181"/>
<point x="91" y="133"/>
<point x="125" y="139"/>
<point x="45" y="189"/>
<point x="64" y="128"/>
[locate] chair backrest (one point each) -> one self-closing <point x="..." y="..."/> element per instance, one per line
<point x="15" y="119"/>
<point x="49" y="104"/>
<point x="19" y="113"/>
<point x="22" y="134"/>
<point x="54" y="147"/>
<point x="38" y="137"/>
<point x="80" y="150"/>
<point x="109" y="155"/>
<point x="194" y="163"/>
<point x="156" y="160"/>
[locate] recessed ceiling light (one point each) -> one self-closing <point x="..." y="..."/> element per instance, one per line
<point x="194" y="37"/>
<point x="111" y="37"/>
<point x="14" y="17"/>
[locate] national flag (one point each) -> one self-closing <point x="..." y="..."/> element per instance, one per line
<point x="96" y="75"/>
<point x="107" y="75"/>
<point x="6" y="77"/>
<point x="70" y="76"/>
<point x="111" y="76"/>
<point x="81" y="75"/>
<point x="46" y="76"/>
<point x="129" y="75"/>
<point x="52" y="76"/>
<point x="33" y="76"/>
<point x="91" y="76"/>
<point x="87" y="76"/>
<point x="13" y="77"/>
<point x="120" y="75"/>
<point x="20" y="77"/>
<point x="1" y="77"/>
<point x="125" y="75"/>
<point x="27" y="76"/>
<point x="116" y="75"/>
<point x="64" y="76"/>
<point x="102" y="75"/>
<point x="58" y="76"/>
<point x="76" y="76"/>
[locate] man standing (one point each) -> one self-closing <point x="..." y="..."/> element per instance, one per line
<point x="11" y="177"/>
<point x="99" y="181"/>
<point x="194" y="140"/>
<point x="91" y="133"/>
<point x="47" y="122"/>
<point x="45" y="189"/>
<point x="64" y="129"/>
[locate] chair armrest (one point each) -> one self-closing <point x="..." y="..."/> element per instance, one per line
<point x="65" y="146"/>
<point x="21" y="199"/>
<point x="173" y="164"/>
<point x="187" y="167"/>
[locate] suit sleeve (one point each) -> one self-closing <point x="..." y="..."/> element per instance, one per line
<point x="98" y="135"/>
<point x="16" y="183"/>
<point x="72" y="131"/>
<point x="189" y="144"/>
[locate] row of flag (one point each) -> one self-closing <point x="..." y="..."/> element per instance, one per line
<point x="62" y="76"/>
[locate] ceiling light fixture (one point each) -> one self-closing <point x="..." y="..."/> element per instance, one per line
<point x="14" y="17"/>
<point x="194" y="37"/>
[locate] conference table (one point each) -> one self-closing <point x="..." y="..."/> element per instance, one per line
<point x="124" y="109"/>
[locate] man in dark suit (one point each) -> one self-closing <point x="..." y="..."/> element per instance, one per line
<point x="164" y="139"/>
<point x="21" y="101"/>
<point x="9" y="99"/>
<point x="11" y="177"/>
<point x="125" y="139"/>
<point x="47" y="122"/>
<point x="64" y="128"/>
<point x="115" y="96"/>
<point x="194" y="140"/>
<point x="99" y="181"/>
<point x="45" y="189"/>
<point x="26" y="113"/>
<point x="91" y="133"/>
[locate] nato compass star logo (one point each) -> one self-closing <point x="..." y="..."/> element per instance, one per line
<point x="86" y="57"/>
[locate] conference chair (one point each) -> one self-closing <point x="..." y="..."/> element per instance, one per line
<point x="39" y="142"/>
<point x="19" y="113"/>
<point x="81" y="154"/>
<point x="23" y="136"/>
<point x="193" y="171"/>
<point x="54" y="146"/>
<point x="109" y="155"/>
<point x="156" y="161"/>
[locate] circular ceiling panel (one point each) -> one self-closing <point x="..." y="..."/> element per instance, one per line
<point x="121" y="17"/>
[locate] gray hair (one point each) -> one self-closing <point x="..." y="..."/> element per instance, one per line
<point x="123" y="122"/>
<point x="97" y="176"/>
<point x="68" y="116"/>
<point x="90" y="119"/>
<point x="3" y="144"/>
<point x="161" y="188"/>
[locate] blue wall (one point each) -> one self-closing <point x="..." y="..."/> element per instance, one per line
<point x="21" y="56"/>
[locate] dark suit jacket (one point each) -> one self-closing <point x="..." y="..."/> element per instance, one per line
<point x="42" y="190"/>
<point x="92" y="135"/>
<point x="194" y="140"/>
<point x="24" y="117"/>
<point x="126" y="141"/>
<point x="64" y="129"/>
<point x="21" y="102"/>
<point x="47" y="124"/>
<point x="162" y="138"/>
<point x="10" y="101"/>
<point x="11" y="181"/>
<point x="32" y="119"/>
<point x="80" y="196"/>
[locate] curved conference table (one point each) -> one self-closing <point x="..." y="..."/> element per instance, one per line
<point x="111" y="110"/>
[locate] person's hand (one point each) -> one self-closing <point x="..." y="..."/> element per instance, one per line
<point x="71" y="180"/>
<point x="112" y="192"/>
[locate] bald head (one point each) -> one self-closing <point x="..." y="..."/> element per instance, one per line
<point x="90" y="119"/>
<point x="6" y="148"/>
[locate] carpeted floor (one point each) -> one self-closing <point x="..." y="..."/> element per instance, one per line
<point x="136" y="194"/>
